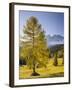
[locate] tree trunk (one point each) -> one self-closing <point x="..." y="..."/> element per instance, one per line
<point x="33" y="66"/>
<point x="34" y="72"/>
<point x="33" y="59"/>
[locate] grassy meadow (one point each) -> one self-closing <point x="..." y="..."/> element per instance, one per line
<point x="49" y="71"/>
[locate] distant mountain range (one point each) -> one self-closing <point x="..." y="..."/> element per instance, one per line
<point x="54" y="40"/>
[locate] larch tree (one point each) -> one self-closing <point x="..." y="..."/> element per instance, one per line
<point x="35" y="48"/>
<point x="55" y="63"/>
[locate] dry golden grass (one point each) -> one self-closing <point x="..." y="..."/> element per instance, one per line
<point x="50" y="71"/>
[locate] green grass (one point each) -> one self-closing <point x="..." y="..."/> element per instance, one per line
<point x="50" y="71"/>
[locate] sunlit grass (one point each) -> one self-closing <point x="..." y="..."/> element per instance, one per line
<point x="50" y="71"/>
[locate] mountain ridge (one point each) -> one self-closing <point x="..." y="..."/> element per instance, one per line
<point x="54" y="39"/>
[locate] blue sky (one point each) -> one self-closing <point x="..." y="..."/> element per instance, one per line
<point x="52" y="22"/>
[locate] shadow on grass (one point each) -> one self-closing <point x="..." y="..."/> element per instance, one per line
<point x="35" y="74"/>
